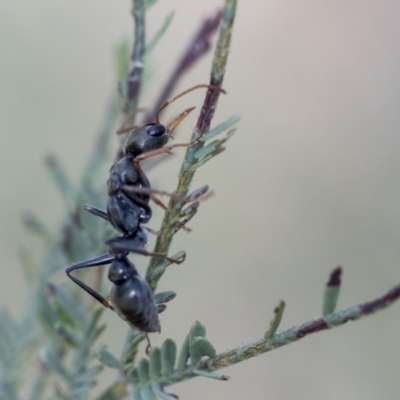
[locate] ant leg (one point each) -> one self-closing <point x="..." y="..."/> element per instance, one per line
<point x="190" y="198"/>
<point x="96" y="211"/>
<point x="148" y="347"/>
<point x="124" y="128"/>
<point x="152" y="231"/>
<point x="123" y="244"/>
<point x="169" y="101"/>
<point x="93" y="262"/>
<point x="159" y="203"/>
<point x="127" y="189"/>
<point x="139" y="201"/>
<point x="163" y="150"/>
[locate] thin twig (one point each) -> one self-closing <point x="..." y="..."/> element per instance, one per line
<point x="139" y="48"/>
<point x="296" y="333"/>
<point x="198" y="46"/>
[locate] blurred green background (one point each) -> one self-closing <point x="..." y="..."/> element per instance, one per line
<point x="310" y="180"/>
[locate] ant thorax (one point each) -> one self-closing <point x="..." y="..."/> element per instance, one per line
<point x="127" y="210"/>
<point x="122" y="173"/>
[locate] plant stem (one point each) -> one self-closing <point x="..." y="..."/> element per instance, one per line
<point x="139" y="48"/>
<point x="296" y="333"/>
<point x="189" y="168"/>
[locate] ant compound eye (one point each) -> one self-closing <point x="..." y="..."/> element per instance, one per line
<point x="156" y="130"/>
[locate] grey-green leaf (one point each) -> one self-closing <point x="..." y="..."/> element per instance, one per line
<point x="143" y="370"/>
<point x="221" y="127"/>
<point x="147" y="393"/>
<point x="108" y="359"/>
<point x="197" y="329"/>
<point x="164" y="297"/>
<point x="149" y="3"/>
<point x="184" y="353"/>
<point x="61" y="180"/>
<point x="276" y="320"/>
<point x="212" y="375"/>
<point x="159" y="34"/>
<point x="168" y="357"/>
<point x="200" y="347"/>
<point x="332" y="290"/>
<point x="54" y="364"/>
<point x="36" y="226"/>
<point x="155" y="363"/>
<point x="136" y="394"/>
<point x="158" y="390"/>
<point x="133" y="376"/>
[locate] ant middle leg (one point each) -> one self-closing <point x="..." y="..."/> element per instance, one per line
<point x="159" y="203"/>
<point x="93" y="262"/>
<point x="131" y="245"/>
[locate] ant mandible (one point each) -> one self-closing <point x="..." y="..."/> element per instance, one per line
<point x="128" y="207"/>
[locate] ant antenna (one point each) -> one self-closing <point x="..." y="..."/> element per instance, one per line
<point x="183" y="115"/>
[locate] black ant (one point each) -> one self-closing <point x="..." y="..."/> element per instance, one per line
<point x="128" y="207"/>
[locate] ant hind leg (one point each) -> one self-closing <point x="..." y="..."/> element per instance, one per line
<point x="96" y="211"/>
<point x="93" y="262"/>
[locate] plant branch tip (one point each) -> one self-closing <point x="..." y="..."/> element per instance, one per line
<point x="51" y="289"/>
<point x="51" y="159"/>
<point x="138" y="64"/>
<point x="335" y="277"/>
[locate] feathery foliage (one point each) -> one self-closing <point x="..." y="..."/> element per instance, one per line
<point x="60" y="321"/>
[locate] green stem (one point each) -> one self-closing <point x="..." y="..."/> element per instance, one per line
<point x="296" y="333"/>
<point x="189" y="167"/>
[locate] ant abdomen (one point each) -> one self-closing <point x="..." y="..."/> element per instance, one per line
<point x="131" y="296"/>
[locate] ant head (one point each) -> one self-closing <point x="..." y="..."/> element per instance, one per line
<point x="146" y="138"/>
<point x="154" y="136"/>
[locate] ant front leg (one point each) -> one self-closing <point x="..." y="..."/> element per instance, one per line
<point x="93" y="262"/>
<point x="163" y="150"/>
<point x="151" y="191"/>
<point x="197" y="194"/>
